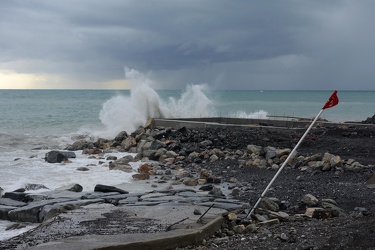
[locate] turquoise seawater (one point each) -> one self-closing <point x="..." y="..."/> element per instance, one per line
<point x="57" y="113"/>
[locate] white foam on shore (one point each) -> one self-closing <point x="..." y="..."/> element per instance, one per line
<point x="7" y="234"/>
<point x="21" y="168"/>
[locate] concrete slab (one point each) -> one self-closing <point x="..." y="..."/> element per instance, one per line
<point x="175" y="226"/>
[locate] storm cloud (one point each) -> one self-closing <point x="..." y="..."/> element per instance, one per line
<point x="227" y="44"/>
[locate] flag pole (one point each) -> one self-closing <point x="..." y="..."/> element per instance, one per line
<point x="332" y="101"/>
<point x="284" y="164"/>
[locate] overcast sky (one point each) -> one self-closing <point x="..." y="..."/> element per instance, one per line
<point x="232" y="44"/>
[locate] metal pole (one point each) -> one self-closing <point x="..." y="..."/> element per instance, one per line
<point x="284" y="164"/>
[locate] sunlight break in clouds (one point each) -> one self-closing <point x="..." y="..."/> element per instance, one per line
<point x="14" y="80"/>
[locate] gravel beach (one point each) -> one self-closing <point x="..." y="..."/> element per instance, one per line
<point x="324" y="196"/>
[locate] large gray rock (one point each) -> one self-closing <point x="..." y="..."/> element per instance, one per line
<point x="155" y="145"/>
<point x="124" y="160"/>
<point x="268" y="204"/>
<point x="310" y="200"/>
<point x="75" y="188"/>
<point x="58" y="156"/>
<point x="258" y="150"/>
<point x="78" y="145"/>
<point x="150" y="124"/>
<point x="121" y="136"/>
<point x="150" y="154"/>
<point x="10" y="202"/>
<point x="332" y="207"/>
<point x="18" y="196"/>
<point x="108" y="189"/>
<point x="4" y="210"/>
<point x="32" y="186"/>
<point x="128" y="143"/>
<point x="30" y="213"/>
<point x="270" y="152"/>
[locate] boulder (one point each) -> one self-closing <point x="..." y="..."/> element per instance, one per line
<point x="268" y="204"/>
<point x="270" y="152"/>
<point x="83" y="169"/>
<point x="141" y="176"/>
<point x="333" y="160"/>
<point x="216" y="192"/>
<point x="145" y="168"/>
<point x="206" y="143"/>
<point x="122" y="164"/>
<point x="4" y="210"/>
<point x="18" y="196"/>
<point x="125" y="160"/>
<point x="156" y="144"/>
<point x="76" y="188"/>
<point x="258" y="150"/>
<point x="214" y="158"/>
<point x="128" y="143"/>
<point x="95" y="151"/>
<point x="58" y="156"/>
<point x="111" y="158"/>
<point x="281" y="152"/>
<point x="251" y="228"/>
<point x="124" y="168"/>
<point x="78" y="145"/>
<point x="108" y="189"/>
<point x="150" y="154"/>
<point x="150" y="124"/>
<point x="31" y="186"/>
<point x="213" y="179"/>
<point x="121" y="136"/>
<point x="310" y="200"/>
<point x="331" y="206"/>
<point x="12" y="203"/>
<point x="190" y="181"/>
<point x="30" y="213"/>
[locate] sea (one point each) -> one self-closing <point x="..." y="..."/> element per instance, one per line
<point x="33" y="122"/>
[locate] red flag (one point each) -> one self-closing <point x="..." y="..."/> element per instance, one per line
<point x="332" y="101"/>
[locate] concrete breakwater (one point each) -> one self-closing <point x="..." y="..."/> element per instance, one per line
<point x="281" y="122"/>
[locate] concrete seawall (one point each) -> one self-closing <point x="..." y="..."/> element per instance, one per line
<point x="243" y="122"/>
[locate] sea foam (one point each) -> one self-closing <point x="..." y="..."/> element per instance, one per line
<point x="129" y="112"/>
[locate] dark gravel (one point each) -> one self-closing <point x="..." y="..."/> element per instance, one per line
<point x="352" y="230"/>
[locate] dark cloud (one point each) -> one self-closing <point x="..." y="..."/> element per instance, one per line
<point x="228" y="44"/>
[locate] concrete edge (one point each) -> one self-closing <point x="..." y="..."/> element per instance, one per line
<point x="181" y="239"/>
<point x="246" y="123"/>
<point x="139" y="241"/>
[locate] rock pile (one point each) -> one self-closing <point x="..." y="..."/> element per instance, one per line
<point x="369" y="120"/>
<point x="184" y="148"/>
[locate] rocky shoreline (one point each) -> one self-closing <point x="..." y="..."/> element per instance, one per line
<point x="228" y="169"/>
